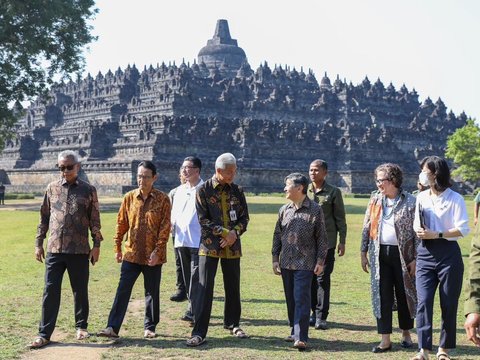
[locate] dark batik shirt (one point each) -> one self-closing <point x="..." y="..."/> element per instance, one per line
<point x="214" y="203"/>
<point x="68" y="211"/>
<point x="300" y="239"/>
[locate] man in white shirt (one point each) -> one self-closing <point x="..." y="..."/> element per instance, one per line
<point x="186" y="229"/>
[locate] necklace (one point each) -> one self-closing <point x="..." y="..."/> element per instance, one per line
<point x="392" y="207"/>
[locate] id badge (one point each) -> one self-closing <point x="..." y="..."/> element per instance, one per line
<point x="233" y="215"/>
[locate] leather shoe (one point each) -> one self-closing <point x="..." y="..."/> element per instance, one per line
<point x="406" y="344"/>
<point x="179" y="296"/>
<point x="321" y="324"/>
<point x="313" y="318"/>
<point x="379" y="350"/>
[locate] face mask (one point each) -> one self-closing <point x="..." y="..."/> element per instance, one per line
<point x="423" y="179"/>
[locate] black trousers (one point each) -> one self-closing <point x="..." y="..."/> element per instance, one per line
<point x="78" y="272"/>
<point x="151" y="282"/>
<point x="321" y="287"/>
<point x="391" y="279"/>
<point x="189" y="260"/>
<point x="207" y="266"/>
<point x="180" y="283"/>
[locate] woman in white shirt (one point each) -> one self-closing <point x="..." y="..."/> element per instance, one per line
<point x="440" y="220"/>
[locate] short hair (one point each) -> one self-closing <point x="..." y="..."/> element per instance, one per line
<point x="440" y="169"/>
<point x="298" y="179"/>
<point x="322" y="163"/>
<point x="195" y="161"/>
<point x="149" y="165"/>
<point x="69" y="154"/>
<point x="393" y="172"/>
<point x="224" y="160"/>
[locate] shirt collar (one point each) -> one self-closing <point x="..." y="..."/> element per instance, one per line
<point x="216" y="184"/>
<point x="306" y="204"/>
<point x="64" y="182"/>
<point x="139" y="195"/>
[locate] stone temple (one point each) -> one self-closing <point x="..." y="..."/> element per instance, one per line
<point x="275" y="120"/>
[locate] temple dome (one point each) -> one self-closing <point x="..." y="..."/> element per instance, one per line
<point x="222" y="49"/>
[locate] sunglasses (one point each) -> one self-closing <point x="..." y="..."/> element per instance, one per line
<point x="68" y="167"/>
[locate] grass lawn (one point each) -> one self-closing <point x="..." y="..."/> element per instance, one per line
<point x="351" y="335"/>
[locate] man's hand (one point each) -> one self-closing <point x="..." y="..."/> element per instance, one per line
<point x="276" y="268"/>
<point x="154" y="259"/>
<point x="39" y="253"/>
<point x="341" y="249"/>
<point x="471" y="326"/>
<point x="475" y="221"/>
<point x="411" y="268"/>
<point x="94" y="255"/>
<point x="119" y="257"/>
<point x="364" y="260"/>
<point x="318" y="269"/>
<point x="229" y="239"/>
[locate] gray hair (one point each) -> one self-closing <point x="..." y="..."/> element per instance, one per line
<point x="69" y="154"/>
<point x="225" y="160"/>
<point x="298" y="179"/>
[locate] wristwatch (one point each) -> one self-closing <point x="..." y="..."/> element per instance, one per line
<point x="440" y="235"/>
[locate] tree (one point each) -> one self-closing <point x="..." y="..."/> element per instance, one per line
<point x="39" y="41"/>
<point x="463" y="147"/>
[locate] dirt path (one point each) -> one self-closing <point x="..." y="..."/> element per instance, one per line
<point x="76" y="350"/>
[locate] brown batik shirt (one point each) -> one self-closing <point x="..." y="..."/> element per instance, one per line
<point x="214" y="203"/>
<point x="300" y="238"/>
<point x="68" y="211"/>
<point x="146" y="224"/>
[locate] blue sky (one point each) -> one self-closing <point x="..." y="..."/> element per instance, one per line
<point x="430" y="45"/>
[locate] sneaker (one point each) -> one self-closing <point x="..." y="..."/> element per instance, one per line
<point x="179" y="296"/>
<point x="321" y="324"/>
<point x="108" y="332"/>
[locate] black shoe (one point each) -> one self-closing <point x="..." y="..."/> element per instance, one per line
<point x="313" y="318"/>
<point x="406" y="344"/>
<point x="321" y="324"/>
<point x="378" y="349"/>
<point x="188" y="316"/>
<point x="179" y="296"/>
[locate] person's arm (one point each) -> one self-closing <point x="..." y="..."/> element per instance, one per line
<point x="93" y="213"/>
<point x="366" y="236"/>
<point x="122" y="227"/>
<point x="340" y="220"/>
<point x="476" y="206"/>
<point x="472" y="294"/>
<point x="42" y="228"/>
<point x="321" y="238"/>
<point x="277" y="243"/>
<point x="203" y="213"/>
<point x="164" y="230"/>
<point x="243" y="218"/>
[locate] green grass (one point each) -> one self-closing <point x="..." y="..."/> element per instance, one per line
<point x="351" y="336"/>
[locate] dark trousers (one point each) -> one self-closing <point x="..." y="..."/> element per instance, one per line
<point x="321" y="287"/>
<point x="151" y="281"/>
<point x="207" y="267"/>
<point x="189" y="260"/>
<point x="391" y="279"/>
<point x="439" y="264"/>
<point x="78" y="272"/>
<point x="2" y="198"/>
<point x="297" y="288"/>
<point x="180" y="283"/>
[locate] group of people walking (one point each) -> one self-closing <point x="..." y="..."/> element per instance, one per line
<point x="408" y="245"/>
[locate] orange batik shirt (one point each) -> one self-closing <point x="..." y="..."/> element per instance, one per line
<point x="146" y="224"/>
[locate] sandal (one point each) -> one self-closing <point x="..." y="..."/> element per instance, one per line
<point x="239" y="333"/>
<point x="149" y="334"/>
<point x="442" y="355"/>
<point x="82" y="334"/>
<point x="300" y="345"/>
<point x="195" y="340"/>
<point x="420" y="356"/>
<point x="39" y="342"/>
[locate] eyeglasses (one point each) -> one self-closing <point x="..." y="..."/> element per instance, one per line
<point x="144" y="177"/>
<point x="188" y="167"/>
<point x="68" y="167"/>
<point x="380" y="181"/>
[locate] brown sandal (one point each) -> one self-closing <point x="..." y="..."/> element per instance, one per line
<point x="239" y="333"/>
<point x="82" y="334"/>
<point x="420" y="356"/>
